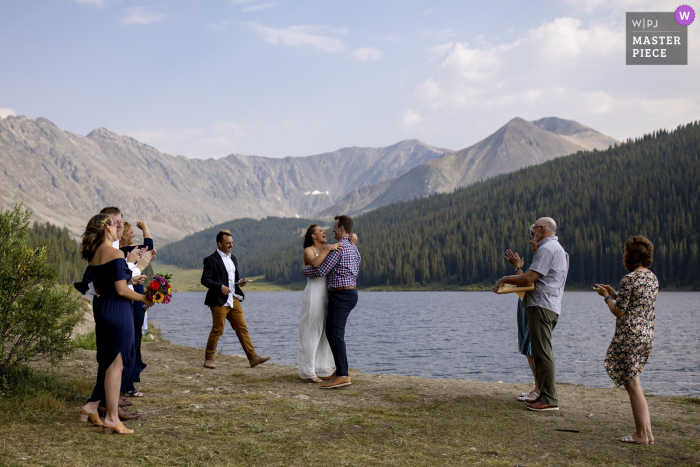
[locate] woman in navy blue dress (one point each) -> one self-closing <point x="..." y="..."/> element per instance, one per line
<point x="114" y="321"/>
<point x="126" y="244"/>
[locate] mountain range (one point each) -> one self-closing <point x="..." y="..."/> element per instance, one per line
<point x="517" y="144"/>
<point x="65" y="177"/>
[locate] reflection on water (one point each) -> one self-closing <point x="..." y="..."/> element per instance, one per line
<point x="464" y="335"/>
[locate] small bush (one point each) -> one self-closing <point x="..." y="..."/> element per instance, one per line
<point x="36" y="317"/>
<point x="85" y="341"/>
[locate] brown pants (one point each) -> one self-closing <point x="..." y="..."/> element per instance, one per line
<point x="234" y="315"/>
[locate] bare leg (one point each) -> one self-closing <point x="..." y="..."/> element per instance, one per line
<point x="640" y="410"/>
<point x="531" y="361"/>
<point x="113" y="382"/>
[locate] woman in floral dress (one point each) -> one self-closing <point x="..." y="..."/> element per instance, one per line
<point x="629" y="350"/>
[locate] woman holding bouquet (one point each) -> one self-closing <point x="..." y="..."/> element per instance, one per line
<point x="114" y="323"/>
<point x="126" y="244"/>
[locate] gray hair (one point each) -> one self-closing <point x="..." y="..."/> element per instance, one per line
<point x="549" y="224"/>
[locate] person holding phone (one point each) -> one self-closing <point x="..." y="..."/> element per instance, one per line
<point x="634" y="307"/>
<point x="221" y="277"/>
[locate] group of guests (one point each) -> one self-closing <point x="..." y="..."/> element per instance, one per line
<point x="538" y="312"/>
<point x="113" y="276"/>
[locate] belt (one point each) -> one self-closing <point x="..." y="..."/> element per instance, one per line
<point x="343" y="288"/>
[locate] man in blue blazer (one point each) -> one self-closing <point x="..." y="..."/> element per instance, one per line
<point x="221" y="277"/>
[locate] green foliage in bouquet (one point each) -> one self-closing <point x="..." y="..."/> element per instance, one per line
<point x="36" y="317"/>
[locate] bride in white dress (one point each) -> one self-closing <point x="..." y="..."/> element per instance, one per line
<point x="315" y="357"/>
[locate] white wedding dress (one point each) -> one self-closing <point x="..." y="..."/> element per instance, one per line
<point x="315" y="356"/>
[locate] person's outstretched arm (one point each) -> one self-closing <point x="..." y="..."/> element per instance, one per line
<point x="325" y="267"/>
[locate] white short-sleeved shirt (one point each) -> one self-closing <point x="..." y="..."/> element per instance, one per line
<point x="552" y="262"/>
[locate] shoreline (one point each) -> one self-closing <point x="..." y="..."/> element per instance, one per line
<point x="237" y="415"/>
<point x="246" y="416"/>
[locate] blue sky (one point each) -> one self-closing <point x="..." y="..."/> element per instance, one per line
<point x="283" y="78"/>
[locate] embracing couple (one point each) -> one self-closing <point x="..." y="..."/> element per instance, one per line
<point x="329" y="297"/>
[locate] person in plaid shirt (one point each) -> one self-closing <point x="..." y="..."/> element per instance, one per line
<point x="340" y="268"/>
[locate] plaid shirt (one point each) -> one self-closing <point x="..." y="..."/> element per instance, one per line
<point x="339" y="267"/>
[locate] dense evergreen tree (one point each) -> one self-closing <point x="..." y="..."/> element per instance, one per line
<point x="62" y="250"/>
<point x="251" y="239"/>
<point x="647" y="186"/>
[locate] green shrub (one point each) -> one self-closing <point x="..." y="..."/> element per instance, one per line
<point x="85" y="341"/>
<point x="36" y="317"/>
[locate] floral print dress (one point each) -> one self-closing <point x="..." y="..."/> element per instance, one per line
<point x="634" y="331"/>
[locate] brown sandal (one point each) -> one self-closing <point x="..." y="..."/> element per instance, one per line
<point x="119" y="429"/>
<point x="93" y="418"/>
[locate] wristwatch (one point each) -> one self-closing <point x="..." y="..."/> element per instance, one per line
<point x="518" y="269"/>
<point x="605" y="299"/>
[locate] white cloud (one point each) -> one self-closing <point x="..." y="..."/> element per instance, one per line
<point x="299" y="36"/>
<point x="97" y="3"/>
<point x="142" y="15"/>
<point x="411" y="118"/>
<point x="219" y="26"/>
<point x="366" y="54"/>
<point x="238" y="2"/>
<point x="566" y="67"/>
<point x="4" y="113"/>
<point x="259" y="7"/>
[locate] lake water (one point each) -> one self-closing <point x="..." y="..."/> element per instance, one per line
<point x="463" y="335"/>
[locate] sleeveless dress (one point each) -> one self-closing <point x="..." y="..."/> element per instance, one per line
<point x="315" y="356"/>
<point x="114" y="322"/>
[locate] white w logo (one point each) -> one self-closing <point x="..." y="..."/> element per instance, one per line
<point x="685" y="15"/>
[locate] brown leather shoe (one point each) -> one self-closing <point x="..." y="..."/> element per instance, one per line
<point x="124" y="414"/>
<point x="328" y="378"/>
<point x="339" y="382"/>
<point x="257" y="360"/>
<point x="124" y="403"/>
<point x="540" y="406"/>
<point x="209" y="364"/>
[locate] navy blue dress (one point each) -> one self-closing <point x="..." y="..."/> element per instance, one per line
<point x="114" y="322"/>
<point x="139" y="366"/>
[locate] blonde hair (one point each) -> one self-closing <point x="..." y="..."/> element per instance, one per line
<point x="94" y="235"/>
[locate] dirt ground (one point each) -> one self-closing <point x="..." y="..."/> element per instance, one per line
<point x="237" y="415"/>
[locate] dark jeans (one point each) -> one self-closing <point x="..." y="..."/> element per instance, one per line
<point x="340" y="304"/>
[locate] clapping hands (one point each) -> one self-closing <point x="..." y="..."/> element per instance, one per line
<point x="605" y="290"/>
<point x="514" y="259"/>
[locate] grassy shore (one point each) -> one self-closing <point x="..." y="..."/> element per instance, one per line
<point x="237" y="415"/>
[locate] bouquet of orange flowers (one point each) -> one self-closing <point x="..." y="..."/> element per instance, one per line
<point x="159" y="289"/>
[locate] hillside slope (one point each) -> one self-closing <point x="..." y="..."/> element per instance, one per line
<point x="516" y="145"/>
<point x="65" y="178"/>
<point x="648" y="186"/>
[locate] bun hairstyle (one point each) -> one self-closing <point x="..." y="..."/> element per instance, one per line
<point x="308" y="241"/>
<point x="639" y="251"/>
<point x="94" y="235"/>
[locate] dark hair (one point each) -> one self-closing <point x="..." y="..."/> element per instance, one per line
<point x="111" y="211"/>
<point x="345" y="222"/>
<point x="94" y="235"/>
<point x="308" y="241"/>
<point x="220" y="236"/>
<point x="639" y="251"/>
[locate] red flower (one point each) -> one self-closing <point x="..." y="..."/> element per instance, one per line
<point x="155" y="285"/>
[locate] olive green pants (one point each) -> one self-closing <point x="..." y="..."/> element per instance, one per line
<point x="541" y="323"/>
